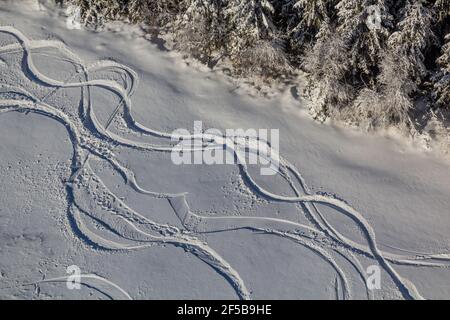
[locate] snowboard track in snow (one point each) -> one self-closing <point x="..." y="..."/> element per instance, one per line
<point x="133" y="231"/>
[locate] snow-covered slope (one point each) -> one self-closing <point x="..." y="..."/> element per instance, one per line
<point x="86" y="179"/>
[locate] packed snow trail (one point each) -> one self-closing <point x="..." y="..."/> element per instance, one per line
<point x="84" y="279"/>
<point x="136" y="231"/>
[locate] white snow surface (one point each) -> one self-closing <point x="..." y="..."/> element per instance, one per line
<point x="86" y="179"/>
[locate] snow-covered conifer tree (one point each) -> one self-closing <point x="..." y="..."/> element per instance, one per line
<point x="442" y="85"/>
<point x="327" y="67"/>
<point x="403" y="64"/>
<point x="249" y="21"/>
<point x="441" y="90"/>
<point x="364" y="25"/>
<point x="306" y="17"/>
<point x="413" y="36"/>
<point x="442" y="8"/>
<point x="95" y="12"/>
<point x="346" y="54"/>
<point x="139" y="11"/>
<point x="253" y="42"/>
<point x="200" y="27"/>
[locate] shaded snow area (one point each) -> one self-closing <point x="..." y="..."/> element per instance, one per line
<point x="90" y="195"/>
